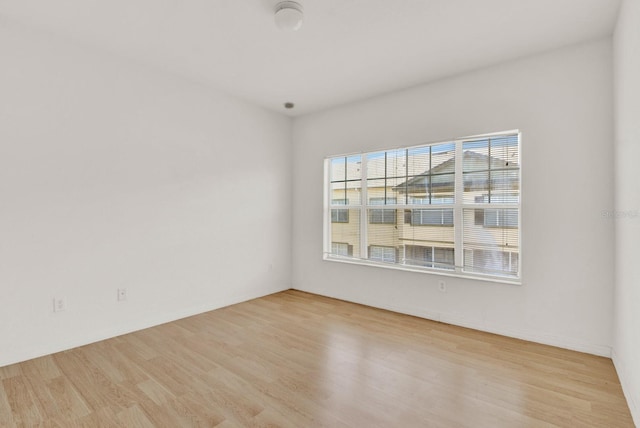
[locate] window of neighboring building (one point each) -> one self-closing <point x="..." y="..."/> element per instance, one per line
<point x="432" y="217"/>
<point x="381" y="215"/>
<point x="382" y="254"/>
<point x="341" y="249"/>
<point x="434" y="257"/>
<point x="495" y="217"/>
<point x="500" y="218"/>
<point x="491" y="261"/>
<point x="435" y="199"/>
<point x="458" y="203"/>
<point x="340" y="215"/>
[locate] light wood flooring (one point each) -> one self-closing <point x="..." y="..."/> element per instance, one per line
<point x="299" y="360"/>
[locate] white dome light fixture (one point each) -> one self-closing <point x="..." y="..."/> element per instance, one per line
<point x="289" y="15"/>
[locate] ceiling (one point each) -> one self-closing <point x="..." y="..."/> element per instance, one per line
<point x="346" y="49"/>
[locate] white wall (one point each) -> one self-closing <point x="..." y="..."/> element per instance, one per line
<point x="626" y="352"/>
<point x="115" y="175"/>
<point x="562" y="102"/>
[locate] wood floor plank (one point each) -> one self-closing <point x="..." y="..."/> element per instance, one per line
<point x="21" y="400"/>
<point x="134" y="417"/>
<point x="294" y="359"/>
<point x="6" y="414"/>
<point x="69" y="401"/>
<point x="92" y="383"/>
<point x="104" y="417"/>
<point x="7" y="372"/>
<point x="43" y="368"/>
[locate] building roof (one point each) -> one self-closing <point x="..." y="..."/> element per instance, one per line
<point x="475" y="166"/>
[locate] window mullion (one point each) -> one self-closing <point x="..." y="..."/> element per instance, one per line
<point x="458" y="204"/>
<point x="430" y="177"/>
<point x="364" y="250"/>
<point x="326" y="210"/>
<point x="406" y="176"/>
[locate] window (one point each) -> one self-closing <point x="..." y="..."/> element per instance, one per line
<point x="489" y="262"/>
<point x="494" y="217"/>
<point x="432" y="217"/>
<point x="491" y="205"/>
<point x="429" y="256"/>
<point x="341" y="249"/>
<point x="452" y="206"/>
<point x="382" y="254"/>
<point x="500" y="218"/>
<point x="382" y="216"/>
<point x="339" y="215"/>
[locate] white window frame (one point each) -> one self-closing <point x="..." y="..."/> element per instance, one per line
<point x="458" y="206"/>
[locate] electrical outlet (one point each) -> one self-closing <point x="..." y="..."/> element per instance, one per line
<point x="122" y="294"/>
<point x="59" y="304"/>
<point x="442" y="286"/>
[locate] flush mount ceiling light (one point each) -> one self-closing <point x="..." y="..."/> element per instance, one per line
<point x="289" y="15"/>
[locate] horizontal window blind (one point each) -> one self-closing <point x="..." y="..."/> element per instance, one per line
<point x="491" y="179"/>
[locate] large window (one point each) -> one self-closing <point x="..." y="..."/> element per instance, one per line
<point x="449" y="207"/>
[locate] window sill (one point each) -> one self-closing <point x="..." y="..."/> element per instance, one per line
<point x="433" y="271"/>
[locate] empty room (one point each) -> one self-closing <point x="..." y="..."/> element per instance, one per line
<point x="337" y="213"/>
